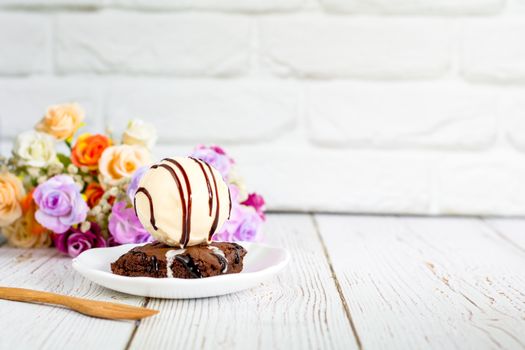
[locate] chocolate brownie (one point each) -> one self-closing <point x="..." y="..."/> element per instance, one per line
<point x="160" y="260"/>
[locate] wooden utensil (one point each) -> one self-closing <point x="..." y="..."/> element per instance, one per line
<point x="100" y="309"/>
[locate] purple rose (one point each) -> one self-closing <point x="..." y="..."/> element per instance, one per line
<point x="60" y="204"/>
<point x="134" y="183"/>
<point x="73" y="242"/>
<point x="125" y="226"/>
<point x="225" y="233"/>
<point x="216" y="157"/>
<point x="248" y="228"/>
<point x="257" y="202"/>
<point x="244" y="225"/>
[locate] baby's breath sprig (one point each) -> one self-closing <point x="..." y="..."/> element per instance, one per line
<point x="101" y="212"/>
<point x="72" y="169"/>
<point x="3" y="164"/>
<point x="55" y="169"/>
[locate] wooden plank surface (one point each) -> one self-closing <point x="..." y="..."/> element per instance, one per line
<point x="301" y="309"/>
<point x="422" y="283"/>
<point x="32" y="326"/>
<point x="402" y="283"/>
<point x="512" y="230"/>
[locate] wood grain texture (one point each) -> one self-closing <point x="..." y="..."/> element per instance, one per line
<point x="408" y="283"/>
<point x="300" y="309"/>
<point x="422" y="283"/>
<point x="512" y="230"/>
<point x="30" y="326"/>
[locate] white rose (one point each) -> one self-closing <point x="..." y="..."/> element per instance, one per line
<point x="35" y="149"/>
<point x="140" y="133"/>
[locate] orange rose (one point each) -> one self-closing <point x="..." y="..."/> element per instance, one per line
<point x="18" y="235"/>
<point x="93" y="194"/>
<point x="62" y="121"/>
<point x="11" y="193"/>
<point x="29" y="208"/>
<point x="88" y="149"/>
<point x="118" y="162"/>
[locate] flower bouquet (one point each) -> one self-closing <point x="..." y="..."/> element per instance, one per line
<point x="81" y="197"/>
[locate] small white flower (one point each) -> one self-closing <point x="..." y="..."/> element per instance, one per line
<point x="113" y="191"/>
<point x="41" y="179"/>
<point x="140" y="133"/>
<point x="100" y="217"/>
<point x="85" y="226"/>
<point x="35" y="149"/>
<point x="33" y="172"/>
<point x="54" y="168"/>
<point x="72" y="169"/>
<point x="96" y="210"/>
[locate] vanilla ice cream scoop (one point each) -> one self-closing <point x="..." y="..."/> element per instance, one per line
<point x="182" y="201"/>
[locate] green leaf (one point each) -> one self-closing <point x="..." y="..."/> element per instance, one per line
<point x="65" y="160"/>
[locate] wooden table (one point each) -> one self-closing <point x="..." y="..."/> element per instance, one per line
<point x="370" y="282"/>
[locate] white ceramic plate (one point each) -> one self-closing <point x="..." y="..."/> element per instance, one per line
<point x="260" y="264"/>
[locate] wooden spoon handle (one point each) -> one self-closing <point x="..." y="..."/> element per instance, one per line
<point x="28" y="295"/>
<point x="94" y="308"/>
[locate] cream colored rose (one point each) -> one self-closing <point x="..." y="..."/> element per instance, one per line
<point x="11" y="193"/>
<point x="140" y="133"/>
<point x="235" y="179"/>
<point x="118" y="162"/>
<point x="62" y="121"/>
<point x="35" y="149"/>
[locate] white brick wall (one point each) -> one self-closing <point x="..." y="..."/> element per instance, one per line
<point x="417" y="7"/>
<point x="336" y="47"/>
<point x="436" y="115"/>
<point x="25" y="42"/>
<point x="160" y="44"/>
<point x="214" y="111"/>
<point x="382" y="106"/>
<point x="494" y="50"/>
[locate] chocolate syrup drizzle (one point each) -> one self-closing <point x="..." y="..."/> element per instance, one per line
<point x="154" y="265"/>
<point x="216" y="219"/>
<point x="151" y="212"/>
<point x="222" y="260"/>
<point x="185" y="228"/>
<point x="230" y="206"/>
<point x="151" y="265"/>
<point x="237" y="254"/>
<point x="210" y="192"/>
<point x="189" y="265"/>
<point x="185" y="234"/>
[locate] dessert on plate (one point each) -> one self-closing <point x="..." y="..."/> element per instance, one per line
<point x="182" y="202"/>
<point x="161" y="260"/>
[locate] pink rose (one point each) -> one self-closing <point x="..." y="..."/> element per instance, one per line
<point x="74" y="241"/>
<point x="257" y="202"/>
